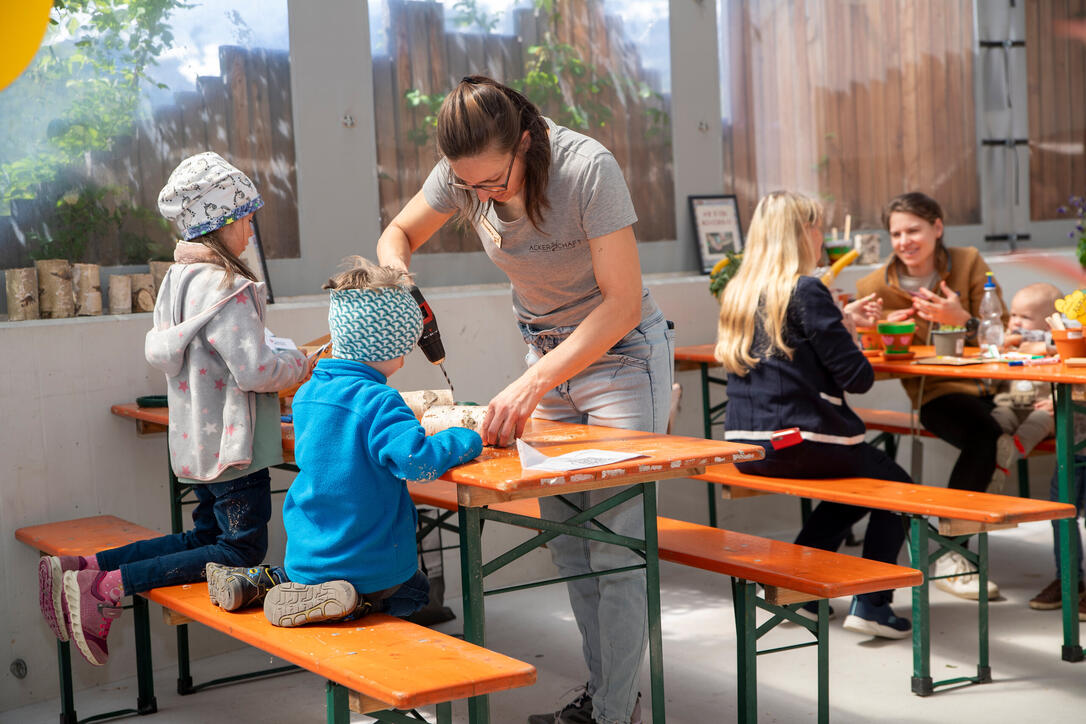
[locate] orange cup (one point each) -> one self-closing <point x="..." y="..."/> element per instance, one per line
<point x="870" y="342"/>
<point x="1069" y="342"/>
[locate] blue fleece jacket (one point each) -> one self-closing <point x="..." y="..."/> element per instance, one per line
<point x="806" y="391"/>
<point x="348" y="514"/>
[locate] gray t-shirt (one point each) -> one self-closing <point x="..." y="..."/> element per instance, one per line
<point x="551" y="268"/>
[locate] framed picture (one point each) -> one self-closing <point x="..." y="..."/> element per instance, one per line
<point x="716" y="227"/>
<point x="253" y="256"/>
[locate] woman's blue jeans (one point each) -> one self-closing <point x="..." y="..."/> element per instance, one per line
<point x="628" y="387"/>
<point x="1078" y="480"/>
<point x="230" y="526"/>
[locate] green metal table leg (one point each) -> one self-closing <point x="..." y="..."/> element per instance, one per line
<point x="707" y="427"/>
<point x="918" y="553"/>
<point x="471" y="575"/>
<point x="67" y="696"/>
<point x="1023" y="478"/>
<point x="823" y="637"/>
<point x="145" y="670"/>
<point x="444" y="713"/>
<point x="984" y="670"/>
<point x="337" y="709"/>
<point x="746" y="649"/>
<point x="652" y="583"/>
<point x="1069" y="554"/>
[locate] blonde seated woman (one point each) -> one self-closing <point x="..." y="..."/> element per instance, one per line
<point x="790" y="356"/>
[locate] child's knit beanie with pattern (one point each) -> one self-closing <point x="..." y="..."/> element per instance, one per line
<point x="205" y="193"/>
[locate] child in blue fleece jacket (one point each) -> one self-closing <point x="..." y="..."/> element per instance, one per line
<point x="349" y="520"/>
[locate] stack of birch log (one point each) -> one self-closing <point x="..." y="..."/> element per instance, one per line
<point x="55" y="288"/>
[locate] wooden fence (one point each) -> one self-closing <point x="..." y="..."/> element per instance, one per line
<point x="244" y="114"/>
<point x="423" y="56"/>
<point x="852" y="102"/>
<point x="1056" y="77"/>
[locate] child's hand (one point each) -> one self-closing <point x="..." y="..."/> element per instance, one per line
<point x="866" y="311"/>
<point x="900" y="315"/>
<point x="1011" y="340"/>
<point x="1033" y="348"/>
<point x="1044" y="404"/>
<point x="946" y="309"/>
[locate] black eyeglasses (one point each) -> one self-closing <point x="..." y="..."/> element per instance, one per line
<point x="488" y="187"/>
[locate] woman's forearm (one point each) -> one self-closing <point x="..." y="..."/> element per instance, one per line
<point x="601" y="329"/>
<point x="393" y="248"/>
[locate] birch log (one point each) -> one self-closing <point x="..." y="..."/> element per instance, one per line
<point x="55" y="297"/>
<point x="87" y="282"/>
<point x="143" y="293"/>
<point x="442" y="417"/>
<point x="158" y="272"/>
<point x="868" y="246"/>
<point x="22" y="293"/>
<point x="120" y="294"/>
<point x="422" y="400"/>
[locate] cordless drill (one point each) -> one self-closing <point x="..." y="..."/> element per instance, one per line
<point x="430" y="341"/>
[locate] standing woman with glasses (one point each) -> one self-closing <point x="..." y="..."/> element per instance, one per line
<point x="552" y="210"/>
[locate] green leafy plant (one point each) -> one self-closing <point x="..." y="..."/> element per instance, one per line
<point x="82" y="91"/>
<point x="1076" y="208"/>
<point x="91" y="212"/>
<point x="723" y="271"/>
<point x="557" y="78"/>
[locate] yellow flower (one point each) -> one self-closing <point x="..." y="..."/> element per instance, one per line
<point x="720" y="265"/>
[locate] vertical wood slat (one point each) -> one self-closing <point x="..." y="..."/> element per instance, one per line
<point x="282" y="175"/>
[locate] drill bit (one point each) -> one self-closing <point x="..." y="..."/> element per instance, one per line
<point x="442" y="366"/>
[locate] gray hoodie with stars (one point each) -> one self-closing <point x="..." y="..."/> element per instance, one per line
<point x="209" y="340"/>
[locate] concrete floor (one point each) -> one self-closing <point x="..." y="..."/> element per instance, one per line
<point x="869" y="679"/>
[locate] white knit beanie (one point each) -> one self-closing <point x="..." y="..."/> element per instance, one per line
<point x="205" y="193"/>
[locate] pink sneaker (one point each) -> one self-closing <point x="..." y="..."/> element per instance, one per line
<point x="90" y="613"/>
<point x="51" y="589"/>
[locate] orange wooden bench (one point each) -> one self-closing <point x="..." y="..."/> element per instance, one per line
<point x="372" y="665"/>
<point x="892" y="424"/>
<point x="961" y="514"/>
<point x="790" y="574"/>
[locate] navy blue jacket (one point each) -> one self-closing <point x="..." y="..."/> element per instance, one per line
<point x="806" y="391"/>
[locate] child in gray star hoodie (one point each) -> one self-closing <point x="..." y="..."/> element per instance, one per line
<point x="221" y="376"/>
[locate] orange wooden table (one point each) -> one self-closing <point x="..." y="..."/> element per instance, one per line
<point x="496" y="476"/>
<point x="1061" y="376"/>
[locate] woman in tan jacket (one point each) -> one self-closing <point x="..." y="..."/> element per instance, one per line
<point x="931" y="283"/>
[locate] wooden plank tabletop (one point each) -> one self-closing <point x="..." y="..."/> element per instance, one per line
<point x="496" y="475"/>
<point x="901" y="497"/>
<point x="1058" y="373"/>
<point x="157" y="419"/>
<point x="426" y="666"/>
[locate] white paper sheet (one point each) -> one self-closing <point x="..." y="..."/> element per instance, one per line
<point x="532" y="459"/>
<point x="278" y="343"/>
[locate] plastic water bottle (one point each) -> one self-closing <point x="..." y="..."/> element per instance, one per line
<point x="990" y="332"/>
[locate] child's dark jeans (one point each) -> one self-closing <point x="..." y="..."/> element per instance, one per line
<point x="230" y="526"/>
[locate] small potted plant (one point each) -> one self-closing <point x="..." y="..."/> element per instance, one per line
<point x="949" y="340"/>
<point x="723" y="271"/>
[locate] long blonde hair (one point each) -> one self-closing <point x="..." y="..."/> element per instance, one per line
<point x="776" y="255"/>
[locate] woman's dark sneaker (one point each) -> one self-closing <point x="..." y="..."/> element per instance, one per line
<point x="1051" y="597"/>
<point x="875" y="620"/>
